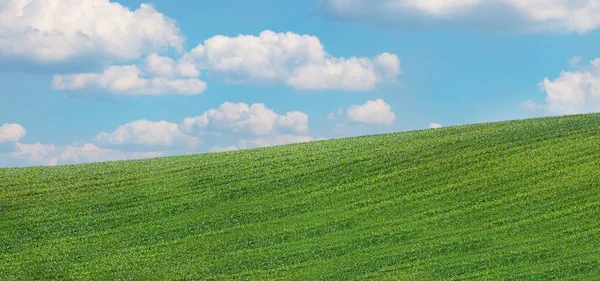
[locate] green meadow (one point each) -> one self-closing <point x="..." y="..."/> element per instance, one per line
<point x="515" y="200"/>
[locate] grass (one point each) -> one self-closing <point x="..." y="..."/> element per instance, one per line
<point x="516" y="200"/>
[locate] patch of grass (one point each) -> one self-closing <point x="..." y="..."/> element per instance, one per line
<point x="516" y="200"/>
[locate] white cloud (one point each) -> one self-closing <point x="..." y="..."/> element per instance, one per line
<point x="264" y="57"/>
<point x="52" y="31"/>
<point x="223" y="148"/>
<point x="372" y="112"/>
<point x="196" y="125"/>
<point x="513" y="15"/>
<point x="353" y="74"/>
<point x="573" y="92"/>
<point x="148" y="133"/>
<point x="332" y="115"/>
<point x="575" y="61"/>
<point x="344" y="128"/>
<point x="435" y="126"/>
<point x="266" y="142"/>
<point x="166" y="67"/>
<point x="275" y="141"/>
<point x="532" y="106"/>
<point x="296" y="121"/>
<point x="297" y="60"/>
<point x="49" y="154"/>
<point x="11" y="133"/>
<point x="239" y="117"/>
<point x="256" y="119"/>
<point x="130" y="80"/>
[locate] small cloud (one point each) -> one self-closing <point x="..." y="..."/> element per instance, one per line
<point x="435" y="126"/>
<point x="530" y="105"/>
<point x="11" y="133"/>
<point x="223" y="148"/>
<point x="575" y="61"/>
<point x="343" y="128"/>
<point x="373" y="112"/>
<point x="376" y="112"/>
<point x="338" y="112"/>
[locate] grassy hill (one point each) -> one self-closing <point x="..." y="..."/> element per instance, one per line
<point x="516" y="200"/>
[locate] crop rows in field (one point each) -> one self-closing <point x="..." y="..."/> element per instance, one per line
<point x="511" y="200"/>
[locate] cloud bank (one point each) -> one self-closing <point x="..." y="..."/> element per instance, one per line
<point x="566" y="16"/>
<point x="50" y="154"/>
<point x="295" y="60"/>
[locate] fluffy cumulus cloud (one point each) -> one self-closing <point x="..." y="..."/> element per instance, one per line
<point x="148" y="133"/>
<point x="353" y="74"/>
<point x="167" y="67"/>
<point x="11" y="133"/>
<point x="254" y="119"/>
<point x="571" y="92"/>
<point x="372" y="112"/>
<point x="53" y="31"/>
<point x="296" y="121"/>
<point x="49" y="154"/>
<point x="299" y="61"/>
<point x="510" y="15"/>
<point x="158" y="76"/>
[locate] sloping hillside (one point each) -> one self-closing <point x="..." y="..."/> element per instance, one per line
<point x="518" y="200"/>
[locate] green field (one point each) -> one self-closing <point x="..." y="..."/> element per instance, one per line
<point x="516" y="200"/>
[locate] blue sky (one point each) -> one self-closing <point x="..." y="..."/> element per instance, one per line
<point x="115" y="80"/>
